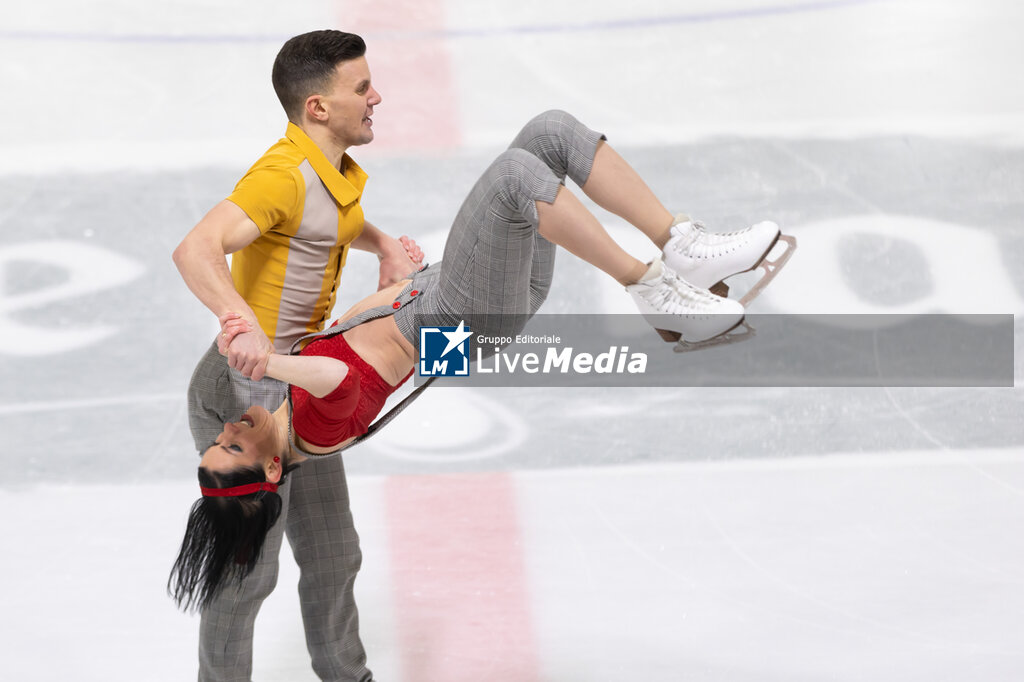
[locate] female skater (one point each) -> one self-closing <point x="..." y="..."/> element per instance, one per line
<point x="495" y="273"/>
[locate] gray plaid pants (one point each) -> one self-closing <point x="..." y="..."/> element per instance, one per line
<point x="317" y="519"/>
<point x="496" y="271"/>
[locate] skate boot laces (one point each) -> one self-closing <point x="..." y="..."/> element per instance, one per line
<point x="697" y="242"/>
<point x="678" y="297"/>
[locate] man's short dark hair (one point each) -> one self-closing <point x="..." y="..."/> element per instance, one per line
<point x="306" y="63"/>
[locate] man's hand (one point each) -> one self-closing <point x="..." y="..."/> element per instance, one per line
<point x="245" y="345"/>
<point x="396" y="264"/>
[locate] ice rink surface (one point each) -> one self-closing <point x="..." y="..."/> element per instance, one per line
<point x="558" y="535"/>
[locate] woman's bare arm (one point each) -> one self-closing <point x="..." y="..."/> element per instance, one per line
<point x="315" y="373"/>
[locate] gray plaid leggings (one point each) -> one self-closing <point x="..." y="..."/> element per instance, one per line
<point x="497" y="269"/>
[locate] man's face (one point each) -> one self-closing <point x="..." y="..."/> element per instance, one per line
<point x="349" y="103"/>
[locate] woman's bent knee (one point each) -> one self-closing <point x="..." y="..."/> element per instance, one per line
<point x="562" y="142"/>
<point x="520" y="180"/>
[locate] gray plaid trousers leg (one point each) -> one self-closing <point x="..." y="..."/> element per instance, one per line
<point x="226" y="626"/>
<point x="497" y="269"/>
<point x="325" y="544"/>
<point x="315" y="512"/>
<point x="565" y="145"/>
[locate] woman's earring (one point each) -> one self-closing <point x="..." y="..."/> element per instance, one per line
<point x="277" y="459"/>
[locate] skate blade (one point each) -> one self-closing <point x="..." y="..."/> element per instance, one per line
<point x="770" y="267"/>
<point x="741" y="332"/>
<point x="674" y="337"/>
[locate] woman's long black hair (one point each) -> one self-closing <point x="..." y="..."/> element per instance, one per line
<point x="223" y="538"/>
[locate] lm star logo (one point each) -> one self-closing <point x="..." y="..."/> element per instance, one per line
<point x="444" y="351"/>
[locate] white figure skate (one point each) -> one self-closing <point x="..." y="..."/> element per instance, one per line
<point x="705" y="259"/>
<point x="676" y="308"/>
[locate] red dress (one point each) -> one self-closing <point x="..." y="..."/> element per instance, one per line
<point x="349" y="409"/>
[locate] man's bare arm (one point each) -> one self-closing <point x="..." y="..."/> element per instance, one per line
<point x="201" y="260"/>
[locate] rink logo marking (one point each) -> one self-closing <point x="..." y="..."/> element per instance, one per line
<point x="64" y="405"/>
<point x="88" y="269"/>
<point x="814" y="282"/>
<point x="455" y="426"/>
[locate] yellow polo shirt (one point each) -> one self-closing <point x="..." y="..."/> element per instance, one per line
<point x="308" y="213"/>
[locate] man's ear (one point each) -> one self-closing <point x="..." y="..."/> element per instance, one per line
<point x="315" y="108"/>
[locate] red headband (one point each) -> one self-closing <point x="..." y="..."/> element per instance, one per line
<point x="246" y="489"/>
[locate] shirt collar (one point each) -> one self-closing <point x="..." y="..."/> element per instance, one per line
<point x="345" y="187"/>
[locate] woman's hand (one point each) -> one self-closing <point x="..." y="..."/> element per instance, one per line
<point x="412" y="249"/>
<point x="231" y="325"/>
<point x="399" y="263"/>
<point x="249" y="355"/>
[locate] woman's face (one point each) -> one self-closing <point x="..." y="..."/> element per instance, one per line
<point x="247" y="442"/>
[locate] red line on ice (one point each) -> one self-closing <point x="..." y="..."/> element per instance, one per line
<point x="459" y="579"/>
